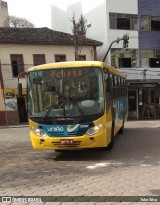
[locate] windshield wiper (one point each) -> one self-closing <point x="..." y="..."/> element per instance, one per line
<point x="75" y="103"/>
<point x="78" y="107"/>
<point x="49" y="110"/>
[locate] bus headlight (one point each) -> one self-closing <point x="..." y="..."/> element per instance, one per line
<point x="93" y="130"/>
<point x="38" y="132"/>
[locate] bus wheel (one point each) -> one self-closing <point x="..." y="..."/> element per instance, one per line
<point x="111" y="144"/>
<point x="121" y="131"/>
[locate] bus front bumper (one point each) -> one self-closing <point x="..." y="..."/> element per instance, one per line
<point x="70" y="143"/>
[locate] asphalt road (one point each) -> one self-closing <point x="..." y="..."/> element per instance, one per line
<point x="131" y="169"/>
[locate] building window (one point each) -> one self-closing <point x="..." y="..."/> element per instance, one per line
<point x="155" y="25"/>
<point x="123" y="21"/>
<point x="154" y="62"/>
<point x="124" y="58"/>
<point x="81" y="57"/>
<point x="17" y="64"/>
<point x="125" y="62"/>
<point x="113" y="62"/>
<point x="60" y="58"/>
<point x="145" y="23"/>
<point x="150" y="58"/>
<point x="39" y="59"/>
<point x="150" y="23"/>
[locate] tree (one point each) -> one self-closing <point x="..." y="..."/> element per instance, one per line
<point x="80" y="27"/>
<point x="79" y="31"/>
<point x="17" y="22"/>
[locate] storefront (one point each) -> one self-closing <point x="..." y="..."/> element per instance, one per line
<point x="144" y="99"/>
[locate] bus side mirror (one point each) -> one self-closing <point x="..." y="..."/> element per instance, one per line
<point x="109" y="85"/>
<point x="19" y="89"/>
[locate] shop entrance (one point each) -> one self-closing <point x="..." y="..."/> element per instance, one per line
<point x="132" y="104"/>
<point x="150" y="103"/>
<point x="22" y="109"/>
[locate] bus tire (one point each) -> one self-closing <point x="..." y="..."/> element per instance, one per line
<point x="111" y="144"/>
<point x="121" y="131"/>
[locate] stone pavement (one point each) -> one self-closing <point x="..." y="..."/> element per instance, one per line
<point x="132" y="168"/>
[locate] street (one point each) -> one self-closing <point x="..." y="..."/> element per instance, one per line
<point x="132" y="168"/>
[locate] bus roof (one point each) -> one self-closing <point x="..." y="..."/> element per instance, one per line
<point x="71" y="64"/>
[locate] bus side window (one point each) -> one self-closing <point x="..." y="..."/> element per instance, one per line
<point x="108" y="81"/>
<point x="113" y="90"/>
<point x="125" y="87"/>
<point x="116" y="87"/>
<point x="121" y="88"/>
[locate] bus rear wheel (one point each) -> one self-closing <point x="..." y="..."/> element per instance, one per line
<point x="121" y="131"/>
<point x="111" y="144"/>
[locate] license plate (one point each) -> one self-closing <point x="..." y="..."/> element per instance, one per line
<point x="66" y="141"/>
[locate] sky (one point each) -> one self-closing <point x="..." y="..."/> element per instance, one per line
<point x="38" y="12"/>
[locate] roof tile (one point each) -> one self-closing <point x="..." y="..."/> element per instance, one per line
<point x="41" y="36"/>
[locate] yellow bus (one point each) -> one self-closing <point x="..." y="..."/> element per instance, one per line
<point x="76" y="105"/>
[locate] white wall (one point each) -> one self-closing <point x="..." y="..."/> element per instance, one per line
<point x="122" y="6"/>
<point x="62" y="20"/>
<point x="57" y="19"/>
<point x="98" y="30"/>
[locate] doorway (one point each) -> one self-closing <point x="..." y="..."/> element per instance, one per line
<point x="22" y="109"/>
<point x="148" y="103"/>
<point x="125" y="63"/>
<point x="132" y="104"/>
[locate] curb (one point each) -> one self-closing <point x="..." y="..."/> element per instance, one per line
<point x="13" y="126"/>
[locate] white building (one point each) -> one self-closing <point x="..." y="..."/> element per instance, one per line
<point x="109" y="20"/>
<point x="62" y="20"/>
<point x="3" y="12"/>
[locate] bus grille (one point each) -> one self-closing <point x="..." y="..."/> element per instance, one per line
<point x="57" y="134"/>
<point x="73" y="145"/>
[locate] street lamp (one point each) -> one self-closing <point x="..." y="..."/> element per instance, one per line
<point x="125" y="40"/>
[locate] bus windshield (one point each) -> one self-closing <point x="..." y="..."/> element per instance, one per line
<point x="68" y="92"/>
